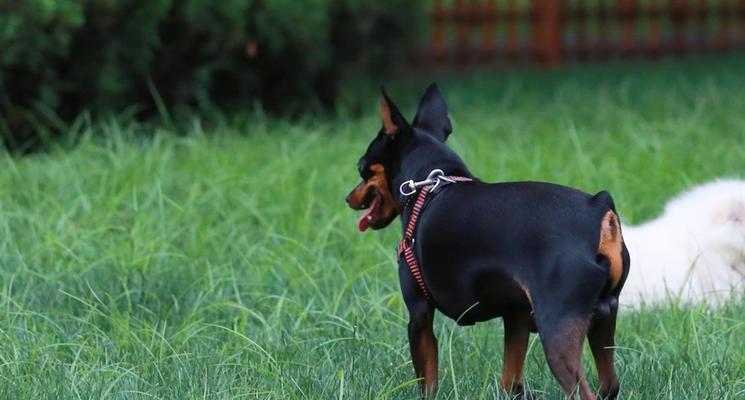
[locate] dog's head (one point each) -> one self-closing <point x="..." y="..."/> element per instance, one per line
<point x="380" y="166"/>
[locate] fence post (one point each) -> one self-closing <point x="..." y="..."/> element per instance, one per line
<point x="700" y="21"/>
<point x="603" y="30"/>
<point x="438" y="30"/>
<point x="487" y="16"/>
<point x="628" y="14"/>
<point x="581" y="17"/>
<point x="654" y="41"/>
<point x="678" y="17"/>
<point x="546" y="33"/>
<point x="723" y="18"/>
<point x="512" y="17"/>
<point x="742" y="23"/>
<point x="463" y="26"/>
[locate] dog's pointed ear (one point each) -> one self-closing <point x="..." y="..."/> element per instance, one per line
<point x="393" y="122"/>
<point x="432" y="114"/>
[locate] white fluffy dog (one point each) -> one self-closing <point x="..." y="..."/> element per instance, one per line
<point x="693" y="252"/>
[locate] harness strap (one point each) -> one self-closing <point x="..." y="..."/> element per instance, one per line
<point x="406" y="246"/>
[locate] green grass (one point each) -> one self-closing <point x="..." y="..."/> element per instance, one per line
<point x="226" y="265"/>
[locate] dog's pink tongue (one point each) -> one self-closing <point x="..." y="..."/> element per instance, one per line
<point x="362" y="223"/>
<point x="365" y="218"/>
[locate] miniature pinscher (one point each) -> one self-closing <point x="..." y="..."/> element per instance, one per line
<point x="546" y="258"/>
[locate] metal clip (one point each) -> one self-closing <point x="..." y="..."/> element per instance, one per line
<point x="410" y="187"/>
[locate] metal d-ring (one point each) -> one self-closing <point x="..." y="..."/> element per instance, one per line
<point x="434" y="177"/>
<point x="407" y="188"/>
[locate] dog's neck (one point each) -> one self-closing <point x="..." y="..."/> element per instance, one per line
<point x="417" y="165"/>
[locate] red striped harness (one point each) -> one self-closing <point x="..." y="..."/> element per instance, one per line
<point x="406" y="246"/>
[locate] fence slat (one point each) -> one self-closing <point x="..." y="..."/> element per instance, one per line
<point x="723" y="16"/>
<point x="678" y="10"/>
<point x="485" y="32"/>
<point x="742" y="23"/>
<point x="603" y="24"/>
<point x="654" y="14"/>
<point x="628" y="15"/>
<point x="488" y="16"/>
<point x="439" y="16"/>
<point x="463" y="30"/>
<point x="547" y="32"/>
<point x="580" y="16"/>
<point x="512" y="40"/>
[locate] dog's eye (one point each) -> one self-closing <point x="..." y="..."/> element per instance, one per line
<point x="363" y="169"/>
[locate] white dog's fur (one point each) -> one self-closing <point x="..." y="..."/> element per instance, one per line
<point x="693" y="252"/>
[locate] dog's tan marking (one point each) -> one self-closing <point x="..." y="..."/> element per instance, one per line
<point x="385" y="114"/>
<point x="358" y="195"/>
<point x="611" y="242"/>
<point x="423" y="346"/>
<point x="387" y="206"/>
<point x="516" y="335"/>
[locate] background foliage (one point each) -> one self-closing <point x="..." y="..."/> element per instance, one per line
<point x="141" y="57"/>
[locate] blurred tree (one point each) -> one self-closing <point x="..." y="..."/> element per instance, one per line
<point x="61" y="57"/>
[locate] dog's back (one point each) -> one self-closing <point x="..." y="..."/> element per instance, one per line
<point x="695" y="251"/>
<point x="538" y="234"/>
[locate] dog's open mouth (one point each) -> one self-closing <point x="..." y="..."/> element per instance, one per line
<point x="370" y="205"/>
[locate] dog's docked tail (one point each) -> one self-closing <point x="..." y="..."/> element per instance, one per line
<point x="610" y="244"/>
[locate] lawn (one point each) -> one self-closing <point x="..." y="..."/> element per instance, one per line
<point x="221" y="262"/>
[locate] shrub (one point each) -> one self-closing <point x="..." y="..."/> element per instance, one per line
<point x="107" y="56"/>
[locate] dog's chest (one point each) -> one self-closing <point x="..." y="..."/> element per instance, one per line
<point x="468" y="294"/>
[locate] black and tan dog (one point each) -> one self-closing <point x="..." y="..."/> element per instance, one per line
<point x="545" y="258"/>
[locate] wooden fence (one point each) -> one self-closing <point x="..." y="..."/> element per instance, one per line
<point x="547" y="33"/>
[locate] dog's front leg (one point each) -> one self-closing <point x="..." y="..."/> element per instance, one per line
<point x="423" y="345"/>
<point x="516" y="336"/>
<point x="422" y="341"/>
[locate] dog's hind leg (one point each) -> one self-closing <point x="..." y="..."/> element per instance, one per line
<point x="562" y="343"/>
<point x="562" y="314"/>
<point x="602" y="342"/>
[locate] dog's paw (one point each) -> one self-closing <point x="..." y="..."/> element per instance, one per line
<point x="519" y="393"/>
<point x="528" y="395"/>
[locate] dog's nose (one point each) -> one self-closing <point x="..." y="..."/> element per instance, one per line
<point x="347" y="199"/>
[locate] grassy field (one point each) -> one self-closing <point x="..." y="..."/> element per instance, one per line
<point x="225" y="264"/>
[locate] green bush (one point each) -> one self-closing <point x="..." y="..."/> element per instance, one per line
<point x="61" y="57"/>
